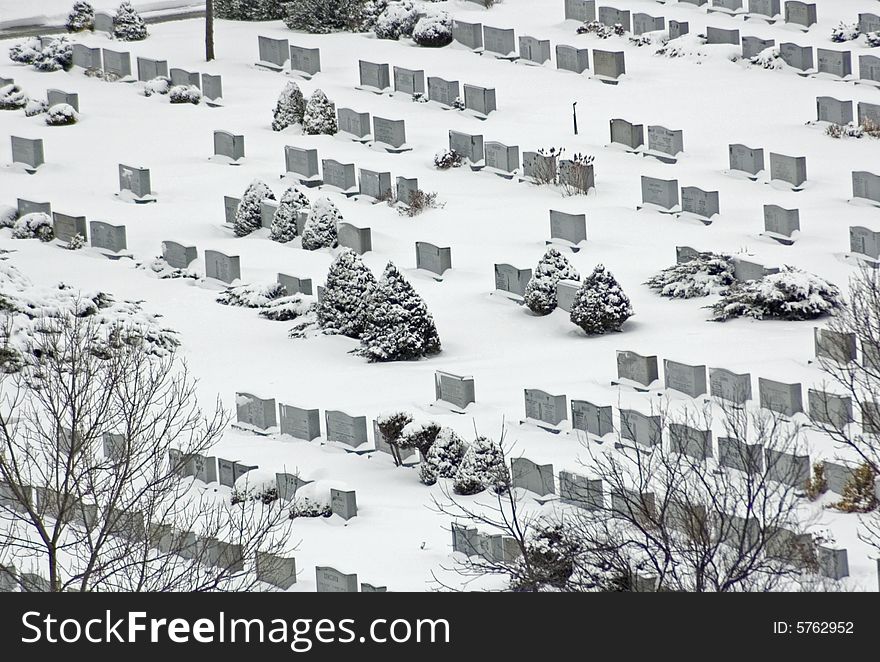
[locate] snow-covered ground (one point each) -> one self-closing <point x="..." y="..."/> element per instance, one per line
<point x="397" y="539"/>
<point x="15" y="13"/>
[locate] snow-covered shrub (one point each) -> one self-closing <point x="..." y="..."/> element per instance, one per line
<point x="845" y="32"/>
<point x="370" y="13"/>
<point x="26" y="51"/>
<point x="256" y="485"/>
<point x="392" y="424"/>
<point x="248" y="217"/>
<point x="158" y="85"/>
<point x="283" y="228"/>
<point x="600" y="305"/>
<point x="769" y="58"/>
<point x="8" y="214"/>
<point x="433" y="31"/>
<point x="443" y="458"/>
<point x="817" y="484"/>
<point x="36" y="225"/>
<point x="319" y="116"/>
<point x="870" y="127"/>
<point x="249" y="10"/>
<point x="398" y="325"/>
<point x="128" y="24"/>
<point x="419" y="435"/>
<point x="579" y="174"/>
<point x="12" y="97"/>
<point x="446" y="158"/>
<point x="290" y="108"/>
<point x="251" y="296"/>
<point x="540" y="295"/>
<point x="323" y="16"/>
<point x="76" y="242"/>
<point x="398" y="20"/>
<point x="708" y="273"/>
<point x="343" y="308"/>
<point x="483" y="467"/>
<point x="287" y="308"/>
<point x="600" y="29"/>
<point x="35" y="107"/>
<point x="57" y="55"/>
<point x="419" y="201"/>
<point x="312" y="500"/>
<point x="872" y="39"/>
<point x="322" y="225"/>
<point x="61" y="114"/>
<point x="185" y="94"/>
<point x="791" y="294"/>
<point x="81" y="17"/>
<point x="549" y="561"/>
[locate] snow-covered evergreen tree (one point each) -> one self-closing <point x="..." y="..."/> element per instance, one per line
<point x="81" y="17"/>
<point x="791" y="294"/>
<point x="12" y="97"/>
<point x="36" y="107"/>
<point x="26" y="51"/>
<point x="323" y="16"/>
<point x="482" y="467"/>
<point x="398" y="20"/>
<point x="419" y="435"/>
<point x="128" y="24"/>
<point x="600" y="305"/>
<point x="55" y="55"/>
<point x="249" y="10"/>
<point x="540" y="294"/>
<point x="343" y="306"/>
<point x="185" y="94"/>
<point x="247" y="218"/>
<point x="61" y="114"/>
<point x="322" y="225"/>
<point x="290" y="108"/>
<point x="36" y="225"/>
<point x="707" y="273"/>
<point x="399" y="326"/>
<point x="433" y="31"/>
<point x="443" y="458"/>
<point x="283" y="228"/>
<point x="320" y="115"/>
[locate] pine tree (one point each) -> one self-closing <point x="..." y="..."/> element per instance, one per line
<point x="81" y="17"/>
<point x="540" y="294"/>
<point x="128" y="24"/>
<point x="290" y="107"/>
<point x="482" y="467"/>
<point x="321" y="226"/>
<point x="323" y="16"/>
<point x="283" y="228"/>
<point x="600" y="305"/>
<point x="320" y="115"/>
<point x="249" y="10"/>
<point x="398" y="325"/>
<point x="343" y="308"/>
<point x="443" y="458"/>
<point x="248" y="218"/>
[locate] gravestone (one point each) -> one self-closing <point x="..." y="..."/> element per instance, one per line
<point x="184" y="77"/>
<point x="300" y="423"/>
<point x="739" y="455"/>
<point x="660" y="192"/>
<point x="870" y="417"/>
<point x="116" y="62"/>
<point x="685" y="254"/>
<point x="633" y="505"/>
<point x="149" y="69"/>
<point x="204" y="468"/>
<point x="730" y="386"/>
<point x="103" y="22"/>
<point x="580" y="10"/>
<point x="800" y="13"/>
<point x="54" y="97"/>
<point x="479" y="99"/>
<point x="405" y="188"/>
<point x="626" y="133"/>
<point x="836" y="63"/>
<point x="699" y="202"/>
<point x="409" y="81"/>
<point x="786" y="399"/>
<point x="8" y="579"/>
<point x="433" y="258"/>
<point x="389" y="132"/>
<point x="769" y="8"/>
<point x="869" y="23"/>
<point x="230" y="209"/>
<point x="568" y="227"/>
<point x="30" y="207"/>
<point x="643" y="429"/>
<point x="376" y="185"/>
<point x="534" y="50"/>
<point x="443" y="91"/>
<point x="226" y="268"/>
<point x="330" y="580"/>
<point x="544" y="407"/>
<point x="305" y="60"/>
<point x="678" y="29"/>
<point x="573" y="59"/>
<point x="66" y="227"/>
<point x="690" y="441"/>
<point x="866" y="186"/>
<point x="278" y="571"/>
<point x="229" y="145"/>
<point x="467" y="146"/>
<point x="87" y="58"/>
<point x="833" y="563"/>
<point x="537" y="478"/>
<point x="609" y="64"/>
<point x="360" y="240"/>
<point x="787" y="468"/>
<point x="374" y="75"/>
<point x="722" y="36"/>
<point x="688" y="379"/>
<point x="136" y="180"/>
<point x="340" y="175"/>
<point x="829" y="408"/>
<point x="343" y="503"/>
<point x="294" y="285"/>
<point x="829" y="109"/>
<point x="698" y="3"/>
<point x="752" y="46"/>
<point x="468" y="34"/>
<point x="498" y="548"/>
<point x="834" y="345"/>
<point x="661" y="139"/>
<point x="510" y="279"/>
<point x="580" y="491"/>
<point x="27" y="151"/>
<point x="743" y="270"/>
<point x="288" y="484"/>
<point x="301" y="162"/>
<point x="576" y="175"/>
<point x="611" y="16"/>
<point x="464" y="539"/>
<point x="539" y="167"/>
<point x="106" y="236"/>
<point x="746" y="159"/>
<point x="31" y="582"/>
<point x="591" y="418"/>
<point x="274" y="53"/>
<point x="385" y="447"/>
<point x="454" y="389"/>
<point x="212" y="87"/>
<point x="637" y="368"/>
<point x="499" y="40"/>
<point x="864" y="241"/>
<point x="642" y="23"/>
<point x="790" y="169"/>
<point x="254" y="411"/>
<point x="349" y="430"/>
<point x="566" y="292"/>
<point x="837" y="476"/>
<point x="799" y="57"/>
<point x="500" y="156"/>
<point x="353" y="122"/>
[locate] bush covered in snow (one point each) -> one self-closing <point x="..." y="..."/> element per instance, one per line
<point x="61" y="114"/>
<point x="81" y="17"/>
<point x="540" y="295"/>
<point x="256" y="485"/>
<point x="323" y="16"/>
<point x="769" y="58"/>
<point x="287" y="308"/>
<point x="319" y="116"/>
<point x="249" y="10"/>
<point x="343" y="308"/>
<point x="791" y="294"/>
<point x="600" y="306"/>
<point x="76" y="242"/>
<point x="433" y="31"/>
<point x="57" y="55"/>
<point x="601" y="30"/>
<point x="419" y="201"/>
<point x="159" y="85"/>
<point x="321" y="228"/>
<point x="290" y="108"/>
<point x="549" y="560"/>
<point x="397" y="20"/>
<point x="35" y="107"/>
<point x="251" y="296"/>
<point x="845" y="32"/>
<point x="398" y="325"/>
<point x="283" y="228"/>
<point x="248" y="216"/>
<point x="8" y="214"/>
<point x="708" y="273"/>
<point x="36" y="225"/>
<point x="446" y="159"/>
<point x="128" y="24"/>
<point x="419" y="435"/>
<point x="12" y="97"/>
<point x="443" y="458"/>
<point x="483" y="467"/>
<point x="26" y="51"/>
<point x="185" y="94"/>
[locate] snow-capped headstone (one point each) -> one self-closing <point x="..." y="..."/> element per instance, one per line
<point x="637" y="368"/>
<point x="116" y="62"/>
<point x="443" y="91"/>
<point x="305" y="60"/>
<point x="608" y="65"/>
<point x="580" y="10"/>
<point x="684" y="254"/>
<point x="739" y="455"/>
<point x="468" y="34"/>
<point x="226" y="268"/>
<point x="212" y="88"/>
<point x="611" y="16"/>
<point x="835" y="63"/>
<point x="534" y="50"/>
<point x="87" y="58"/>
<point x="870" y="416"/>
<point x="571" y="228"/>
<point x="730" y="386"/>
<point x="864" y="241"/>
<point x="360" y="240"/>
<point x="660" y="192"/>
<point x="149" y="69"/>
<point x="866" y="186"/>
<point x="537" y="478"/>
<point x="789" y="169"/>
<point x="184" y="77"/>
<point x="66" y="227"/>
<point x="785" y="399"/>
<point x="690" y="441"/>
<point x="177" y="255"/>
<point x="300" y="423"/>
<point x="294" y="285"/>
<point x="667" y="141"/>
<point x="226" y="472"/>
<point x="343" y="503"/>
<point x="593" y="419"/>
<point x="626" y="133"/>
<point x="58" y="96"/>
<point x="642" y="23"/>
<point x="389" y="132"/>
<point x="703" y="204"/>
<point x="479" y="99"/>
<point x="340" y="175"/>
<point x="376" y="185"/>
<point x="544" y="407"/>
<point x="512" y="280"/>
<point x="349" y="430"/>
<point x="239" y="469"/>
<point x="722" y="36"/>
<point x="353" y="122"/>
<point x="752" y="46"/>
<point x="279" y="571"/>
<point x="500" y="41"/>
<point x="830" y="408"/>
<point x="580" y="491"/>
<point x="302" y="163"/>
<point x="409" y="81"/>
<point x="800" y="13"/>
<point x="644" y="430"/>
<point x="30" y="207"/>
<point x="746" y="159"/>
<point x="573" y="59"/>
<point x="501" y="157"/>
<point x="433" y="258"/>
<point x="374" y="75"/>
<point x="539" y="167"/>
<point x="135" y="180"/>
<point x="454" y="389"/>
<point x="467" y="146"/>
<point x="255" y="411"/>
<point x="274" y="53"/>
<point x="228" y="144"/>
<point x="688" y="379"/>
<point x="108" y="237"/>
<point x="834" y="345"/>
<point x="794" y="55"/>
<point x="27" y="152"/>
<point x="829" y="109"/>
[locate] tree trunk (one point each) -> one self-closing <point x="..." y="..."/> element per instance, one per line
<point x="209" y="30"/>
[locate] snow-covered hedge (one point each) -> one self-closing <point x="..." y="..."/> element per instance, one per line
<point x="185" y="94"/>
<point x="128" y="24"/>
<point x="482" y="467"/>
<point x="12" y="97"/>
<point x="81" y="17"/>
<point x="433" y="31"/>
<point x="35" y="107"/>
<point x="259" y="295"/>
<point x="444" y="457"/>
<point x="708" y="273"/>
<point x="61" y="114"/>
<point x="397" y="20"/>
<point x="36" y="225"/>
<point x="324" y="16"/>
<point x="446" y="159"/>
<point x="158" y="85"/>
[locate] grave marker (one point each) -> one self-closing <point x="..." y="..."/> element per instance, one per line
<point x="226" y="268"/>
<point x="349" y="430"/>
<point x="699" y="202"/>
<point x="376" y="185"/>
<point x="790" y="169"/>
<point x="357" y="239"/>
<point x="591" y="418"/>
<point x="752" y="46"/>
<point x="537" y="478"/>
<point x="722" y="36"/>
<point x="769" y="8"/>
<point x="385" y="447"/>
<point x="660" y="192"/>
<point x="443" y="91"/>
<point x="611" y="16"/>
<point x="409" y="81"/>
<point x="136" y="180"/>
<point x="467" y="146"/>
<point x="833" y="563"/>
<point x="544" y="407"/>
<point x="30" y="207"/>
<point x="690" y="441"/>
<point x="499" y="41"/>
<point x="512" y="280"/>
<point x="678" y="29"/>
<point x="294" y="285"/>
<point x="27" y="151"/>
<point x="830" y="408"/>
<point x="835" y="63"/>
<point x="869" y="23"/>
<point x="479" y="99"/>
<point x="65" y="227"/>
<point x="799" y="57"/>
<point x="106" y="236"/>
<point x="566" y="291"/>
<point x="661" y="139"/>
<point x="637" y="368"/>
<point x="87" y="58"/>
<point x="229" y="145"/>
<point x="730" y="386"/>
<point x="571" y="228"/>
<point x="330" y="580"/>
<point x="743" y="270"/>
<point x="305" y="60"/>
<point x="274" y="53"/>
<point x="103" y="22"/>
<point x="230" y="209"/>
<point x="746" y="159"/>
<point x="353" y="122"/>
<point x="739" y="455"/>
<point x="374" y="75"/>
<point x="577" y="175"/>
<point x="609" y="65"/>
<point x="864" y="241"/>
<point x="580" y="491"/>
<point x="116" y="62"/>
<point x="642" y="23"/>
<point x="302" y="163"/>
<point x="288" y="484"/>
<point x="433" y="258"/>
<point x="454" y="389"/>
<point x="866" y="186"/>
<point x="300" y="423"/>
<point x="254" y="411"/>
<point x="687" y="379"/>
<point x="800" y="13"/>
<point x="834" y="345"/>
<point x="212" y="88"/>
<point x="343" y="503"/>
<point x="786" y="399"/>
<point x="501" y="157"/>
<point x="534" y="50"/>
<point x="278" y="571"/>
<point x="389" y="132"/>
<point x="580" y="10"/>
<point x="787" y="468"/>
<point x="340" y="175"/>
<point x="184" y="77"/>
<point x="779" y="221"/>
<point x="573" y="59"/>
<point x="54" y="97"/>
<point x="626" y="133"/>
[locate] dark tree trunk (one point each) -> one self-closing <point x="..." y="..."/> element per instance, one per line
<point x="209" y="30"/>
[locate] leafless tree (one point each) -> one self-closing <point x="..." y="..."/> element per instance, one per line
<point x="209" y="30"/>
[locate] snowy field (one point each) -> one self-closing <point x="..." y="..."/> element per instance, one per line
<point x="15" y="13"/>
<point x="398" y="539"/>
